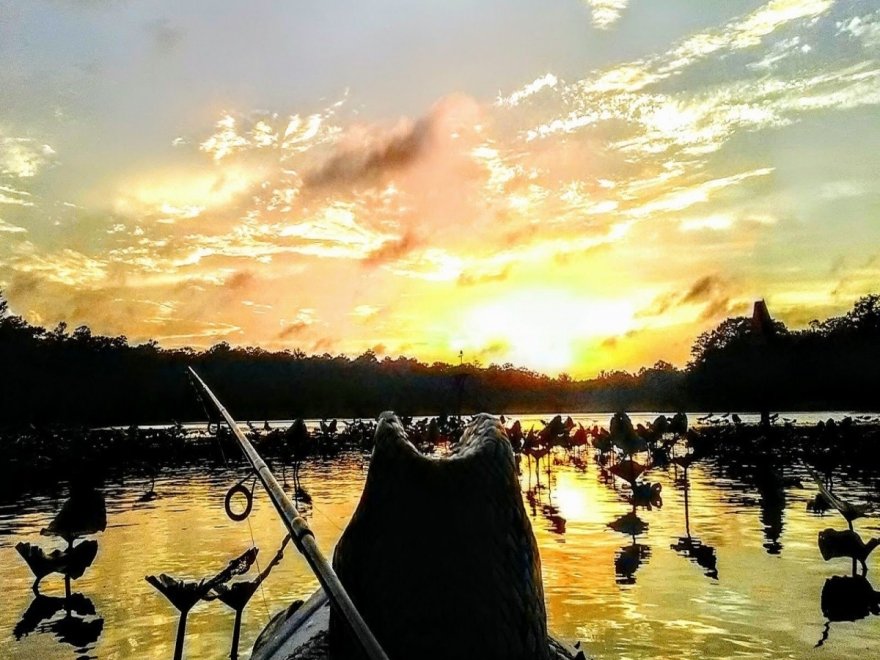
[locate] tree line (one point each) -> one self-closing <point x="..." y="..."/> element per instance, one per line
<point x="76" y="377"/>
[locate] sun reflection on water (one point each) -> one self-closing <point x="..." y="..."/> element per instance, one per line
<point x="761" y="605"/>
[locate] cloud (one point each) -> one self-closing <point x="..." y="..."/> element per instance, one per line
<point x="176" y="331"/>
<point x="6" y="228"/>
<point x="22" y="285"/>
<point x="296" y="327"/>
<point x="547" y="81"/>
<point x="620" y="185"/>
<point x="712" y="222"/>
<point x="391" y="250"/>
<point x="364" y="153"/>
<point x="239" y="280"/>
<point x="65" y="266"/>
<point x="866" y="28"/>
<point x="697" y="192"/>
<point x="835" y="190"/>
<point x="165" y="36"/>
<point x="259" y="133"/>
<point x="616" y="340"/>
<point x="368" y="152"/>
<point x="476" y="278"/>
<point x="605" y="13"/>
<point x="22" y="157"/>
<point x="855" y="278"/>
<point x="365" y="311"/>
<point x="696" y="124"/>
<point x="492" y="350"/>
<point x="324" y="344"/>
<point x="431" y="264"/>
<point x="225" y="140"/>
<point x="293" y="329"/>
<point x="702" y="289"/>
<point x="12" y="196"/>
<point x="716" y="308"/>
<point x="780" y="51"/>
<point x="712" y="294"/>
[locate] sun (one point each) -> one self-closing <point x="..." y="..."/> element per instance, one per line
<point x="540" y="328"/>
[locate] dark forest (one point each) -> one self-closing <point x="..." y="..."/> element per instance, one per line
<point x="745" y="363"/>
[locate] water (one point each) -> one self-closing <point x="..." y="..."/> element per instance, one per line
<point x="765" y="602"/>
<point x="601" y="418"/>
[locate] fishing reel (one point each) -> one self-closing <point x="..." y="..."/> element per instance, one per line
<point x="248" y="494"/>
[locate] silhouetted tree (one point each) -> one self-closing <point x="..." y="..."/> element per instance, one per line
<point x="82" y="378"/>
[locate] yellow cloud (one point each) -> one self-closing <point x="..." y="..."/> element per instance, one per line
<point x="6" y="228"/>
<point x="65" y="266"/>
<point x="510" y="229"/>
<point x="182" y="194"/>
<point x="23" y="158"/>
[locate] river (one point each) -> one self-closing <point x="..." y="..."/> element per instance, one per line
<point x="764" y="601"/>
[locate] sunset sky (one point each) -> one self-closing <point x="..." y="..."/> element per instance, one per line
<point x="569" y="186"/>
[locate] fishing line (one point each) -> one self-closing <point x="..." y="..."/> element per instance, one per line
<point x="327" y="517"/>
<point x="260" y="571"/>
<point x="237" y="488"/>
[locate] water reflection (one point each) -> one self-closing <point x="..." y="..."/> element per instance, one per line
<point x="844" y="597"/>
<point x="628" y="558"/>
<point x="847" y="598"/>
<point x="617" y="452"/>
<point x="549" y="511"/>
<point x="82" y="514"/>
<point x="237" y="595"/>
<point x="691" y="547"/>
<point x="79" y="625"/>
<point x="184" y="594"/>
<point x="771" y="488"/>
<point x="766" y="477"/>
<point x="629" y="524"/>
<point x="766" y="606"/>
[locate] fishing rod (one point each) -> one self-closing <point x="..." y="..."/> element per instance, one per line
<point x="301" y="535"/>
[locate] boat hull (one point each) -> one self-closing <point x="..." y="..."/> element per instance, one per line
<point x="302" y="635"/>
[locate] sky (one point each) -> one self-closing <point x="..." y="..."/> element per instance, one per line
<point x="568" y="186"/>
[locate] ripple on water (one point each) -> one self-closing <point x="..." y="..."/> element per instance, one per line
<point x="761" y="605"/>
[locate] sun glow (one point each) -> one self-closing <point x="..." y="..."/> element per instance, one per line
<point x="184" y="195"/>
<point x="578" y="499"/>
<point x="544" y="329"/>
<point x="508" y="220"/>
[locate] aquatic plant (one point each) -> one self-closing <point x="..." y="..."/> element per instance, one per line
<point x="184" y="594"/>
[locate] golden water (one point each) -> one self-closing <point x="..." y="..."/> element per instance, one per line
<point x="762" y="605"/>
